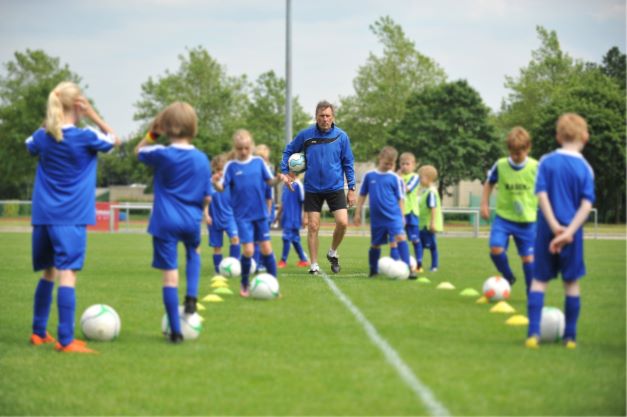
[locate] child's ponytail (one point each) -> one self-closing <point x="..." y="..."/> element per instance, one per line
<point x="54" y="115"/>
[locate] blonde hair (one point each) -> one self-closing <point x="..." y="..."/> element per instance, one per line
<point x="518" y="139"/>
<point x="178" y="120"/>
<point x="388" y="153"/>
<point x="262" y="151"/>
<point x="60" y="100"/>
<point x="571" y="127"/>
<point x="407" y="156"/>
<point x="242" y="135"/>
<point x="429" y="172"/>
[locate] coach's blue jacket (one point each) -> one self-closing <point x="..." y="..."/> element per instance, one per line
<point x="328" y="156"/>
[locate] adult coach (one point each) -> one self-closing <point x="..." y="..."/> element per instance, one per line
<point x="329" y="159"/>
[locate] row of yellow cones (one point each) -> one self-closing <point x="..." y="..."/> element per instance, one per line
<point x="501" y="307"/>
<point x="220" y="287"/>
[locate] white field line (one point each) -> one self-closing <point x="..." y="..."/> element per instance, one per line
<point x="434" y="407"/>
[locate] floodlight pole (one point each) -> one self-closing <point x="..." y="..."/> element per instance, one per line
<point x="288" y="71"/>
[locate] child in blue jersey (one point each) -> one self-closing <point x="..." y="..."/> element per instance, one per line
<point x="64" y="203"/>
<point x="387" y="195"/>
<point x="430" y="212"/>
<point x="565" y="190"/>
<point x="290" y="215"/>
<point x="220" y="219"/>
<point x="516" y="205"/>
<point x="407" y="162"/>
<point x="246" y="178"/>
<point x="182" y="188"/>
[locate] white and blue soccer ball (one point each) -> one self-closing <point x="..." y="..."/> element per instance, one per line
<point x="191" y="324"/>
<point x="552" y="324"/>
<point x="264" y="287"/>
<point x="230" y="267"/>
<point x="296" y="162"/>
<point x="100" y="322"/>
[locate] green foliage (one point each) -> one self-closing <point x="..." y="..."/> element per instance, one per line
<point x="122" y="167"/>
<point x="554" y="83"/>
<point x="447" y="126"/>
<point x="382" y="86"/>
<point x="24" y="93"/>
<point x="265" y="113"/>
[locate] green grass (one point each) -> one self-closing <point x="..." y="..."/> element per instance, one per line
<point x="305" y="354"/>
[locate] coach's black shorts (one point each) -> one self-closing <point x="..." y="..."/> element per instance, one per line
<point x="335" y="200"/>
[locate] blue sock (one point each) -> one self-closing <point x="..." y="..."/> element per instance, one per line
<point x="418" y="251"/>
<point x="235" y="251"/>
<point x="528" y="270"/>
<point x="403" y="250"/>
<point x="192" y="273"/>
<point x="286" y="250"/>
<point x="245" y="261"/>
<point x="270" y="263"/>
<point x="299" y="250"/>
<point x="257" y="255"/>
<point x="572" y="306"/>
<point x="66" y="303"/>
<point x="535" y="302"/>
<point x="217" y="258"/>
<point x="501" y="263"/>
<point x="373" y="259"/>
<point x="435" y="257"/>
<point x="394" y="253"/>
<point x="171" y="303"/>
<point x="41" y="309"/>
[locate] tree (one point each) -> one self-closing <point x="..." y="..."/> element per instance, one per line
<point x="265" y="113"/>
<point x="448" y="126"/>
<point x="24" y="94"/>
<point x="220" y="100"/>
<point x="382" y="87"/>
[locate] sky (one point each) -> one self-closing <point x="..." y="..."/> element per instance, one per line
<point x="116" y="45"/>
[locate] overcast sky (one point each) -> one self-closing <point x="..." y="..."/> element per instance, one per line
<point x="115" y="45"/>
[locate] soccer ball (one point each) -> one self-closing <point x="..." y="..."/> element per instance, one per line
<point x="413" y="264"/>
<point x="253" y="266"/>
<point x="230" y="267"/>
<point x="551" y="324"/>
<point x="383" y="264"/>
<point x="191" y="324"/>
<point x="264" y="287"/>
<point x="496" y="289"/>
<point x="100" y="322"/>
<point x="296" y="162"/>
<point x="398" y="270"/>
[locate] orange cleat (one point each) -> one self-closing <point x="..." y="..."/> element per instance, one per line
<point x="76" y="346"/>
<point x="302" y="264"/>
<point x="281" y="264"/>
<point x="37" y="340"/>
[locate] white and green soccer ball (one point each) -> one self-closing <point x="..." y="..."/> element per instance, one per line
<point x="264" y="287"/>
<point x="384" y="264"/>
<point x="100" y="322"/>
<point x="398" y="270"/>
<point x="296" y="162"/>
<point x="230" y="267"/>
<point x="552" y="324"/>
<point x="191" y="324"/>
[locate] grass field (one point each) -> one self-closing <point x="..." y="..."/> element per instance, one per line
<point x="306" y="354"/>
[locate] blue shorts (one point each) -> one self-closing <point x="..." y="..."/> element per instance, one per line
<point x="216" y="234"/>
<point x="413" y="232"/>
<point x="569" y="262"/>
<point x="427" y="239"/>
<point x="164" y="251"/>
<point x="524" y="235"/>
<point x="62" y="247"/>
<point x="381" y="235"/>
<point x="253" y="231"/>
<point x="291" y="235"/>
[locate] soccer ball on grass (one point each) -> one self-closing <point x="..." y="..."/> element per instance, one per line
<point x="191" y="324"/>
<point x="264" y="287"/>
<point x="100" y="322"/>
<point x="496" y="289"/>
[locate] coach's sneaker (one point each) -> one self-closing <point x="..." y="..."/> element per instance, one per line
<point x="190" y="304"/>
<point x="314" y="269"/>
<point x="570" y="344"/>
<point x="335" y="262"/>
<point x="281" y="264"/>
<point x="76" y="346"/>
<point x="302" y="264"/>
<point x="176" y="338"/>
<point x="37" y="340"/>
<point x="532" y="342"/>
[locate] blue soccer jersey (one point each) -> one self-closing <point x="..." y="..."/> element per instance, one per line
<point x="246" y="181"/>
<point x="65" y="180"/>
<point x="220" y="209"/>
<point x="385" y="189"/>
<point x="182" y="180"/>
<point x="292" y="203"/>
